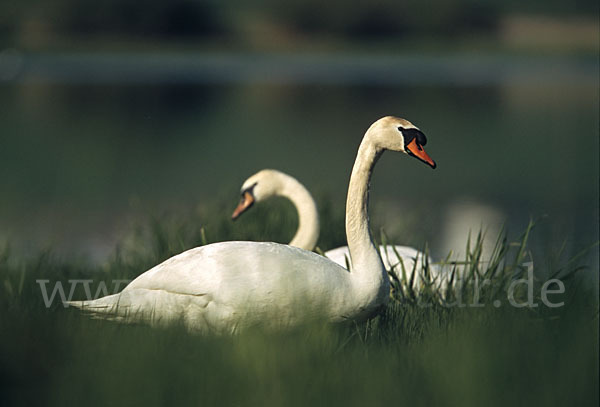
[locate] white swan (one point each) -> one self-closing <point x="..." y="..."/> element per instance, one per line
<point x="268" y="183"/>
<point x="228" y="286"/>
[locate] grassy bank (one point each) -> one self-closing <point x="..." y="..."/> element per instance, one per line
<point x="415" y="352"/>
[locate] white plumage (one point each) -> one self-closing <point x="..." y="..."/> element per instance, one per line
<point x="229" y="286"/>
<point x="268" y="183"/>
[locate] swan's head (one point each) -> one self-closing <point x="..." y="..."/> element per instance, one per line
<point x="393" y="133"/>
<point x="260" y="186"/>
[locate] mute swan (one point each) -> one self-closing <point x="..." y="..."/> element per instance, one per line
<point x="267" y="183"/>
<point x="229" y="286"/>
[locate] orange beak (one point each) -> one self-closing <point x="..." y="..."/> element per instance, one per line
<point x="416" y="150"/>
<point x="245" y="203"/>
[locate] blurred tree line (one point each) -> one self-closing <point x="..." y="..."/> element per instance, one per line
<point x="193" y="19"/>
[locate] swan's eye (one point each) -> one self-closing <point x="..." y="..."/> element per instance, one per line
<point x="249" y="190"/>
<point x="410" y="134"/>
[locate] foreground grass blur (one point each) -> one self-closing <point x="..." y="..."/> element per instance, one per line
<point x="417" y="352"/>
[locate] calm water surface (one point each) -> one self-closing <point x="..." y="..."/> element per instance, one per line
<point x="90" y="142"/>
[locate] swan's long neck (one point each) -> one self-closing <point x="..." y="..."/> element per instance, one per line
<point x="308" y="218"/>
<point x="367" y="268"/>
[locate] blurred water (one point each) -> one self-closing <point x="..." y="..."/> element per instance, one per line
<point x="90" y="141"/>
<point x="296" y="68"/>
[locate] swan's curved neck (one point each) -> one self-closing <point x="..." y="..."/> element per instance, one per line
<point x="367" y="267"/>
<point x="308" y="218"/>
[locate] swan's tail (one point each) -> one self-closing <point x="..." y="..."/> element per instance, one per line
<point x="108" y="307"/>
<point x="133" y="305"/>
<point x="104" y="304"/>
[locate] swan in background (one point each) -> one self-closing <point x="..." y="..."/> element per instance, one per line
<point x="228" y="286"/>
<point x="467" y="217"/>
<point x="268" y="183"/>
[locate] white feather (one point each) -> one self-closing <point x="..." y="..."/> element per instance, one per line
<point x="229" y="286"/>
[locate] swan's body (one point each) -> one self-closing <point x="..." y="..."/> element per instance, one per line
<point x="204" y="288"/>
<point x="268" y="183"/>
<point x="232" y="285"/>
<point x="391" y="255"/>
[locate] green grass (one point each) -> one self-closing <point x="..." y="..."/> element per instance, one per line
<point x="414" y="353"/>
